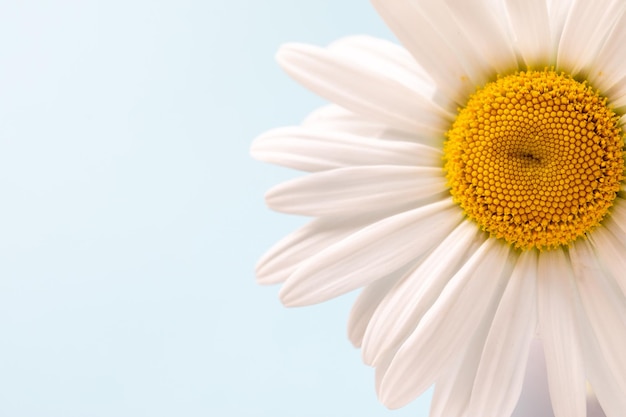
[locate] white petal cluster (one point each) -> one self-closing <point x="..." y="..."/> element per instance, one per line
<point x="442" y="303"/>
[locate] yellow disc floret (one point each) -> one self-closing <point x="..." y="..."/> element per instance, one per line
<point x="535" y="158"/>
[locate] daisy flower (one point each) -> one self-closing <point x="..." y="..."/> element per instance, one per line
<point x="471" y="182"/>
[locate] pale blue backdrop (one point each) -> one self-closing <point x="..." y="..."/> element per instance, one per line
<point x="131" y="214"/>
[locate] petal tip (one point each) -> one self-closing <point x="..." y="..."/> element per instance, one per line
<point x="289" y="297"/>
<point x="388" y="399"/>
<point x="290" y="50"/>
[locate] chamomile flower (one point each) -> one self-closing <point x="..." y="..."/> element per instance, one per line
<point x="471" y="182"/>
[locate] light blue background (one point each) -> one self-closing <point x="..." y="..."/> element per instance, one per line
<point x="131" y="214"/>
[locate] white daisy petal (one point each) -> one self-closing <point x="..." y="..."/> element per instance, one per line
<point x="566" y="378"/>
<point x="610" y="251"/>
<point x="362" y="90"/>
<point x="618" y="94"/>
<point x="588" y="267"/>
<point x="369" y="254"/>
<point x="358" y="189"/>
<point x="336" y="119"/>
<point x="277" y="264"/>
<point x="482" y="27"/>
<point x="445" y="396"/>
<point x="385" y="58"/>
<point x="437" y="45"/>
<point x="531" y="30"/>
<point x="449" y="323"/>
<point x="500" y="377"/>
<point x="280" y="261"/>
<point x="311" y="150"/>
<point x="558" y="10"/>
<point x="605" y="310"/>
<point x="404" y="306"/>
<point x="366" y="304"/>
<point x="381" y="369"/>
<point x="617" y="221"/>
<point x="333" y="118"/>
<point x="580" y="42"/>
<point x="453" y="389"/>
<point x="604" y="379"/>
<point x="608" y="74"/>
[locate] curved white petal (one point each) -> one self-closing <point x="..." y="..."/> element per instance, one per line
<point x="456" y="389"/>
<point x="589" y="270"/>
<point x="453" y="389"/>
<point x="530" y="25"/>
<point x="605" y="309"/>
<point x="610" y="250"/>
<point x="282" y="259"/>
<point x="404" y="306"/>
<point x="314" y="150"/>
<point x="483" y="28"/>
<point x="363" y="90"/>
<point x="558" y="10"/>
<point x="385" y="58"/>
<point x="370" y="253"/>
<point x="607" y="70"/>
<point x="617" y="93"/>
<point x="366" y="304"/>
<point x="500" y="377"/>
<point x="358" y="189"/>
<point x="617" y="216"/>
<point x="381" y="369"/>
<point x="587" y="26"/>
<point x="604" y="379"/>
<point x="333" y="118"/>
<point x="449" y="323"/>
<point x="557" y="326"/>
<point x="438" y="45"/>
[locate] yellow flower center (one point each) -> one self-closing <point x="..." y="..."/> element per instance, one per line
<point x="535" y="158"/>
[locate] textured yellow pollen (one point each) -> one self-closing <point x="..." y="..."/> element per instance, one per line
<point x="535" y="158"/>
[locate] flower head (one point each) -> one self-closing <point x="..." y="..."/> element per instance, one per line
<point x="472" y="185"/>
